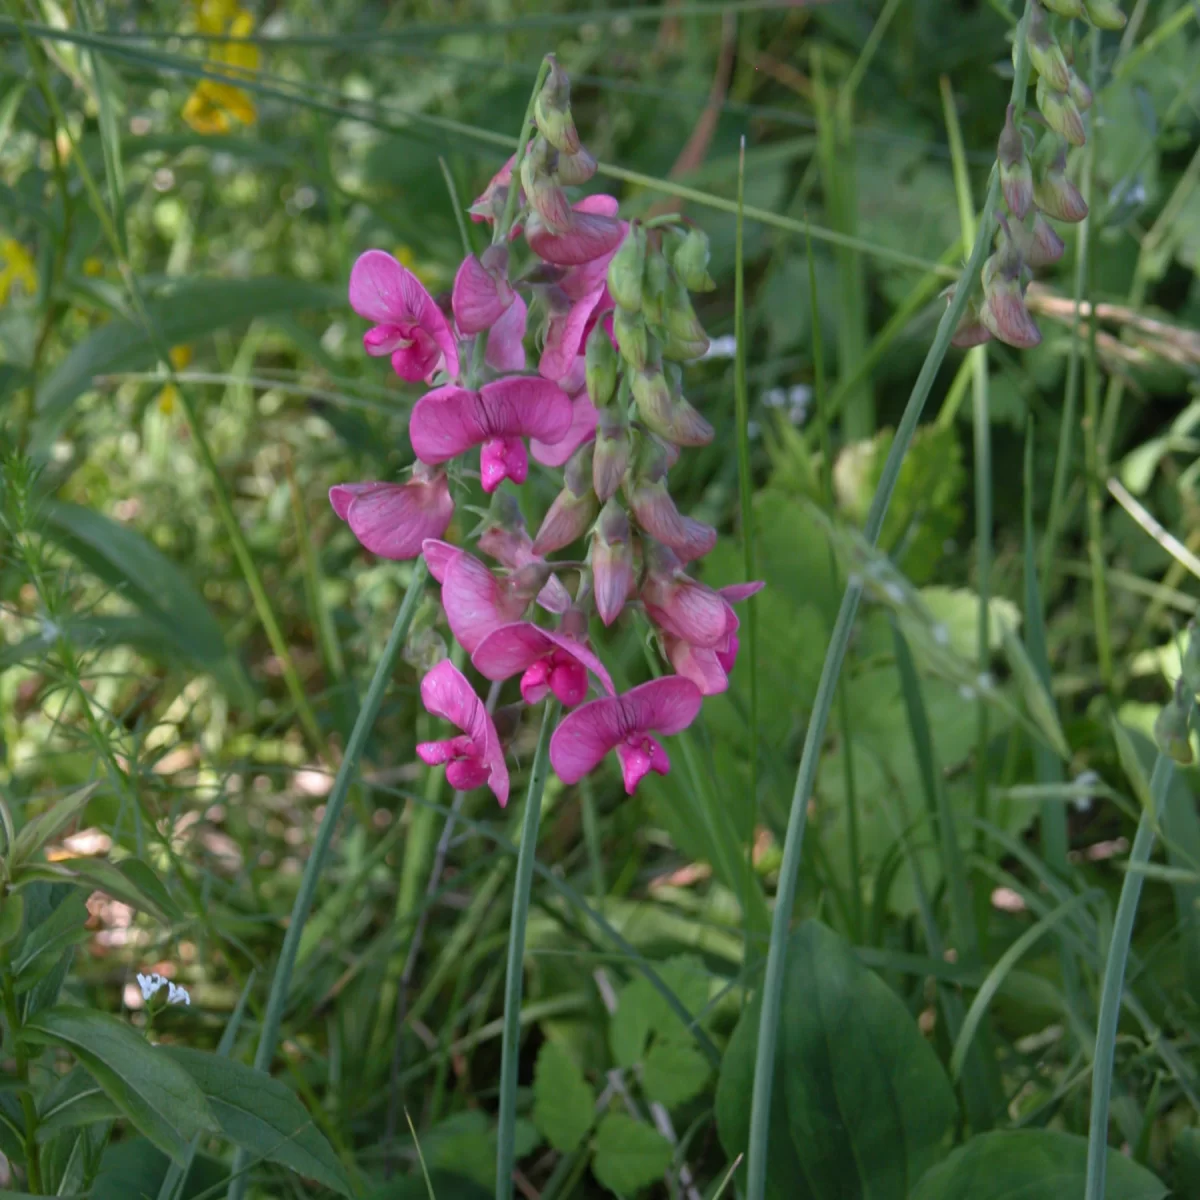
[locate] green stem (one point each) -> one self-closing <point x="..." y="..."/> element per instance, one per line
<point x="514" y="976"/>
<point x="1114" y="980"/>
<point x="772" y="994"/>
<point x="33" y="1166"/>
<point x="500" y="233"/>
<point x="277" y="1000"/>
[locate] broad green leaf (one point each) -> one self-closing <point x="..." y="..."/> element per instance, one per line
<point x="466" y="1145"/>
<point x="860" y="1103"/>
<point x="957" y="610"/>
<point x="1031" y="1164"/>
<point x="260" y="1114"/>
<point x="47" y="941"/>
<point x="674" y="1071"/>
<point x="142" y="574"/>
<point x="130" y="881"/>
<point x="642" y="1010"/>
<point x="629" y="1028"/>
<point x="74" y="1099"/>
<point x="186" y="312"/>
<point x="133" y="1169"/>
<point x="149" y="1088"/>
<point x="34" y="834"/>
<point x="563" y="1101"/>
<point x="629" y="1155"/>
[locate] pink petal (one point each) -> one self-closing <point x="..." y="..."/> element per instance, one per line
<point x="638" y="761"/>
<point x="433" y="754"/>
<point x="737" y="592"/>
<point x="554" y="597"/>
<point x="605" y="206"/>
<point x="342" y="495"/>
<point x="466" y="774"/>
<point x="575" y="380"/>
<point x="688" y="610"/>
<point x="501" y="459"/>
<point x="665" y="705"/>
<point x="446" y="423"/>
<point x="564" y="337"/>
<point x="393" y="520"/>
<point x="479" y="299"/>
<point x="512" y="648"/>
<point x="702" y="666"/>
<point x="385" y="292"/>
<point x="567" y="679"/>
<point x="438" y="557"/>
<point x="418" y="360"/>
<point x="506" y="339"/>
<point x="522" y="406"/>
<point x="382" y="340"/>
<point x="589" y="236"/>
<point x="582" y="429"/>
<point x="475" y="603"/>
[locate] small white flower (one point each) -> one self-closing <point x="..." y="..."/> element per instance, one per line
<point x="150" y="984"/>
<point x="722" y="347"/>
<point x="177" y="994"/>
<point x="1089" y="780"/>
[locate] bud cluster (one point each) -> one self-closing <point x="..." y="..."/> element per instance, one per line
<point x="609" y="304"/>
<point x="1035" y="185"/>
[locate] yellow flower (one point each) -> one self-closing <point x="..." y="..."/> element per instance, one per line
<point x="93" y="267"/>
<point x="214" y="104"/>
<point x="16" y="266"/>
<point x="180" y="357"/>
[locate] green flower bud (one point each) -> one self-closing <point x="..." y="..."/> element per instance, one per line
<point x="690" y="260"/>
<point x="1016" y="175"/>
<point x="1065" y="8"/>
<point x="1061" y="114"/>
<point x="552" y="110"/>
<point x="1104" y="14"/>
<point x="671" y="417"/>
<point x="600" y="361"/>
<point x="685" y="338"/>
<point x="574" y="169"/>
<point x="1079" y="92"/>
<point x="614" y="448"/>
<point x="626" y="269"/>
<point x="1044" y="51"/>
<point x="655" y="283"/>
<point x="1055" y="194"/>
<point x="633" y="340"/>
<point x="547" y="197"/>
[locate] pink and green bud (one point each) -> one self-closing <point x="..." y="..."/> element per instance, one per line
<point x="1056" y="195"/>
<point x="1003" y="313"/>
<point x="575" y="169"/>
<point x="610" y="459"/>
<point x="626" y="269"/>
<point x="686" y="338"/>
<point x="1061" y="114"/>
<point x="670" y="416"/>
<point x="970" y="330"/>
<point x="574" y="508"/>
<point x="1043" y="246"/>
<point x="633" y="339"/>
<point x="1104" y="14"/>
<point x="545" y="194"/>
<point x="1065" y="8"/>
<point x="611" y="559"/>
<point x="600" y="362"/>
<point x="552" y="110"/>
<point x="656" y="512"/>
<point x="1016" y="175"/>
<point x="1044" y="51"/>
<point x="655" y="284"/>
<point x="690" y="261"/>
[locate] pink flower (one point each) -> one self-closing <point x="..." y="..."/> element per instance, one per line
<point x="625" y="724"/>
<point x="489" y="204"/>
<point x="506" y="339"/>
<point x="582" y="429"/>
<point x="475" y="600"/>
<point x="450" y="420"/>
<point x="592" y="231"/>
<point x="482" y="293"/>
<point x="680" y="606"/>
<point x="408" y="324"/>
<point x="611" y="559"/>
<point x="550" y="662"/>
<point x="585" y="287"/>
<point x="512" y="547"/>
<point x="393" y="519"/>
<point x="474" y="758"/>
<point x="709" y="667"/>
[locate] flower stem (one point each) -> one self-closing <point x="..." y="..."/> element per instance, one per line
<point x="1114" y="979"/>
<point x="302" y="907"/>
<point x="33" y="1166"/>
<point x="772" y="993"/>
<point x="514" y="977"/>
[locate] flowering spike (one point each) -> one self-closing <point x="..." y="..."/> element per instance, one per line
<point x="611" y="558"/>
<point x="625" y="724"/>
<point x="1044" y="51"/>
<point x="626" y="269"/>
<point x="1104" y="14"/>
<point x="1061" y="114"/>
<point x="552" y="110"/>
<point x="1016" y="175"/>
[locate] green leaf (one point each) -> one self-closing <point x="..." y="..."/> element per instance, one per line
<point x="75" y="1099"/>
<point x="134" y="1170"/>
<point x="465" y="1144"/>
<point x="187" y="311"/>
<point x="642" y="1010"/>
<point x="629" y="1029"/>
<point x="1186" y="1152"/>
<point x="260" y="1114"/>
<point x="1031" y="1164"/>
<point x="563" y="1101"/>
<point x="674" y="1072"/>
<point x="860" y="1103"/>
<point x="154" y="1092"/>
<point x="141" y="573"/>
<point x="46" y="942"/>
<point x="130" y="881"/>
<point x="628" y="1154"/>
<point x="447" y="1185"/>
<point x="36" y="833"/>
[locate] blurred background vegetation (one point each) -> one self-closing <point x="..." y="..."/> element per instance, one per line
<point x="187" y="624"/>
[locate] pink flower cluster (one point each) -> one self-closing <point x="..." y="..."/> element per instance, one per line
<point x="614" y="321"/>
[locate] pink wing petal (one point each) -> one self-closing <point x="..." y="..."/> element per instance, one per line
<point x="564" y="337"/>
<point x="582" y="429"/>
<point x="393" y="521"/>
<point x="589" y="236"/>
<point x="382" y="290"/>
<point x="585" y="736"/>
<point x="491" y="756"/>
<point x="736" y="592"/>
<point x="438" y="556"/>
<point x="342" y="495"/>
<point x="701" y="666"/>
<point x="522" y="406"/>
<point x="689" y="611"/>
<point x="512" y="648"/>
<point x="554" y="597"/>
<point x="446" y="693"/>
<point x="475" y="603"/>
<point x="506" y="339"/>
<point x="445" y="423"/>
<point x="665" y="705"/>
<point x="605" y="206"/>
<point x="479" y="299"/>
